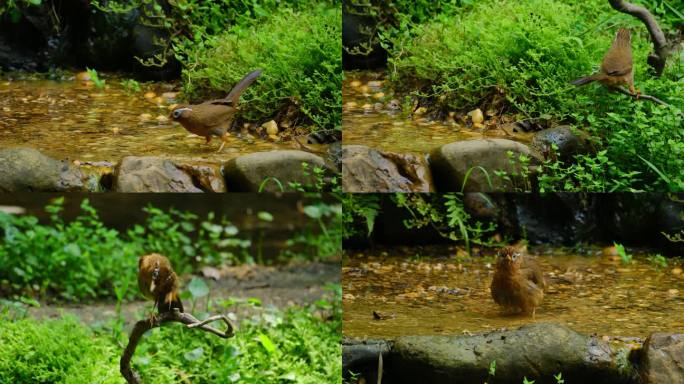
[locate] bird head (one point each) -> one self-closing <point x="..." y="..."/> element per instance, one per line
<point x="180" y="113"/>
<point x="509" y="258"/>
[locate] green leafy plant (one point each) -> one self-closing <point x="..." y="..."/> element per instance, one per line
<point x="131" y="85"/>
<point x="359" y="211"/>
<point x="447" y="215"/>
<point x="95" y="78"/>
<point x="456" y="59"/>
<point x="559" y="378"/>
<point x="624" y="256"/>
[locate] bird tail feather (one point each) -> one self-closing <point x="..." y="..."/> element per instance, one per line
<point x="583" y="80"/>
<point x="171" y="301"/>
<point x="237" y="90"/>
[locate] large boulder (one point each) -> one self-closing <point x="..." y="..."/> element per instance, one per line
<point x="151" y="174"/>
<point x="536" y="351"/>
<point x="249" y="172"/>
<point x="662" y="359"/>
<point x="27" y="169"/>
<point x="569" y="142"/>
<point x="368" y="170"/>
<point x="475" y="162"/>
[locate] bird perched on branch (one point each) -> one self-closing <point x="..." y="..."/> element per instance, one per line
<point x="213" y="117"/>
<point x="616" y="67"/>
<point x="518" y="282"/>
<point x="158" y="281"/>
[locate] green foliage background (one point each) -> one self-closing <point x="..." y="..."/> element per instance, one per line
<point x="466" y="54"/>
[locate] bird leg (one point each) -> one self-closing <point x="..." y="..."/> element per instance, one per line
<point x="223" y="141"/>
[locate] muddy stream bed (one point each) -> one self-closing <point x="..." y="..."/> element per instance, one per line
<point x="590" y="293"/>
<point x="73" y="119"/>
<point x="372" y="116"/>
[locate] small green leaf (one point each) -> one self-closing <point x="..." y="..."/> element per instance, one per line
<point x="313" y="211"/>
<point x="267" y="343"/>
<point x="198" y="288"/>
<point x="265" y="216"/>
<point x="194" y="355"/>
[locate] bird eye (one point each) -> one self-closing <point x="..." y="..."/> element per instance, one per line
<point x="177" y="113"/>
<point x="515" y="256"/>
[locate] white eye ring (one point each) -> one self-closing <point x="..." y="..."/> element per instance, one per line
<point x="178" y="112"/>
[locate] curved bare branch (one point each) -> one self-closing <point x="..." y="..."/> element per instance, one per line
<point x="143" y="326"/>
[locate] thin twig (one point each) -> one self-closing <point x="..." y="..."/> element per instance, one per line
<point x="640" y="96"/>
<point x="143" y="326"/>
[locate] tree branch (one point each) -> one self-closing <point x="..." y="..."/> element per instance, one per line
<point x="143" y="326"/>
<point x="656" y="59"/>
<point x="640" y="96"/>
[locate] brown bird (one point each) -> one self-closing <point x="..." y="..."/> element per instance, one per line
<point x="518" y="282"/>
<point x="616" y="67"/>
<point x="213" y="117"/>
<point x="158" y="281"/>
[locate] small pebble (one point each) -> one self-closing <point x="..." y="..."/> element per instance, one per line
<point x="150" y="95"/>
<point x="271" y="127"/>
<point x="355" y="83"/>
<point x="82" y="76"/>
<point x="378" y="95"/>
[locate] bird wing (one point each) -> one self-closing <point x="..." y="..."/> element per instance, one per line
<point x="618" y="59"/>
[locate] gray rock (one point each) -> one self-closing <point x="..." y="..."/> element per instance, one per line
<point x="536" y="351"/>
<point x="247" y="173"/>
<point x="368" y="170"/>
<point x="454" y="163"/>
<point x="569" y="142"/>
<point x="27" y="169"/>
<point x="207" y="176"/>
<point x="662" y="359"/>
<point x="151" y="174"/>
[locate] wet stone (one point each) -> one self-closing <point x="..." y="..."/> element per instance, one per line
<point x="249" y="173"/>
<point x="151" y="174"/>
<point x="662" y="358"/>
<point x="368" y="170"/>
<point x="27" y="169"/>
<point x="462" y="162"/>
<point x="536" y="351"/>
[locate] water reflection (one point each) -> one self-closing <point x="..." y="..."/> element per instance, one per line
<point x="372" y="116"/>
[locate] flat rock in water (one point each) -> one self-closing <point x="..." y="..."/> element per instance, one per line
<point x="151" y="174"/>
<point x="536" y="351"/>
<point x="476" y="161"/>
<point x="368" y="170"/>
<point x="27" y="169"/>
<point x="247" y="173"/>
<point x="662" y="359"/>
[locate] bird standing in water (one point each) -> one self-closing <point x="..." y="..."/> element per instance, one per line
<point x="158" y="281"/>
<point x="518" y="282"/>
<point x="213" y="117"/>
<point x="616" y="67"/>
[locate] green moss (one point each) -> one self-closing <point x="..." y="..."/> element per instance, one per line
<point x="300" y="54"/>
<point x="519" y="57"/>
<point x="55" y="351"/>
<point x="276" y="347"/>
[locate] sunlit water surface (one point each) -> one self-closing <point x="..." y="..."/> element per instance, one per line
<point x="591" y="294"/>
<point x="74" y="120"/>
<point x="372" y="116"/>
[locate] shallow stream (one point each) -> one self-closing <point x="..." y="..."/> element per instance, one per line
<point x="588" y="292"/>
